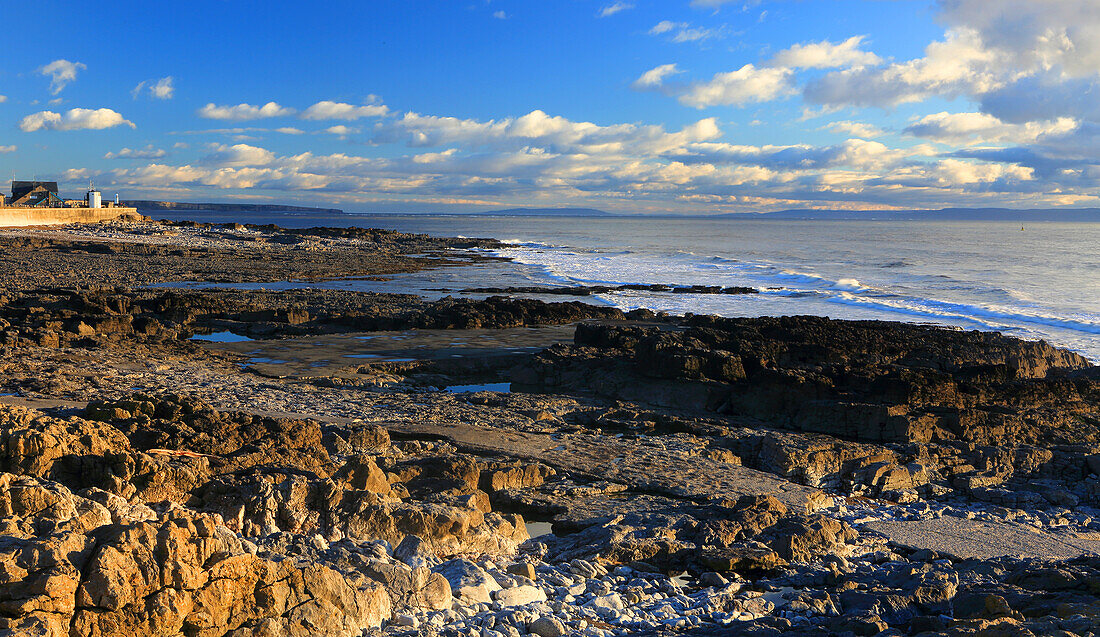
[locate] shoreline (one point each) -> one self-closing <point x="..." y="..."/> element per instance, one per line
<point x="922" y="272"/>
<point x="810" y="475"/>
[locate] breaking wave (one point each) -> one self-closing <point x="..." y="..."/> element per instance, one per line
<point x="798" y="290"/>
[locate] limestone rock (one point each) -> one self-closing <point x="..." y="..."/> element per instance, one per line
<point x="409" y="587"/>
<point x="469" y="583"/>
<point x="67" y="563"/>
<point x="747" y="557"/>
<point x="519" y="595"/>
<point x="546" y="626"/>
<point x="803" y="540"/>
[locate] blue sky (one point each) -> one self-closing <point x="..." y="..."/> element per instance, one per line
<point x="681" y="106"/>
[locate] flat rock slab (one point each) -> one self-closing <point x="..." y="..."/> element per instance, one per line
<point x="976" y="539"/>
<point x="42" y="403"/>
<point x="641" y="467"/>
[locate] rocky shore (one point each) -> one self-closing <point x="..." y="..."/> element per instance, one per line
<point x="180" y="461"/>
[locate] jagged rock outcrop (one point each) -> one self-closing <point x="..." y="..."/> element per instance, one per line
<point x="118" y="525"/>
<point x="756" y="533"/>
<point x="874" y="408"/>
<point x="860" y="380"/>
<point x="68" y="568"/>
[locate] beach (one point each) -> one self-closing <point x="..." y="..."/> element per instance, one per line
<point x="245" y="428"/>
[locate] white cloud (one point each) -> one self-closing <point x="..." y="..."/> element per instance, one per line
<point x="683" y="31"/>
<point x="61" y="73"/>
<point x="238" y="155"/>
<point x="664" y="26"/>
<point x="242" y="112"/>
<point x="826" y="55"/>
<point x="149" y="152"/>
<point x="3" y="98"/>
<point x="9" y="149"/>
<point x="434" y="158"/>
<point x="737" y="88"/>
<point x="655" y="77"/>
<point x="539" y="130"/>
<point x="853" y="153"/>
<point x="954" y="172"/>
<point x="712" y="3"/>
<point x="338" y="110"/>
<point x="981" y="128"/>
<point x="613" y="8"/>
<point x="542" y="158"/>
<point x="340" y="129"/>
<point x="1050" y="34"/>
<point x="857" y="129"/>
<point x="1023" y="60"/>
<point x="74" y="119"/>
<point x="500" y="15"/>
<point x="959" y="65"/>
<point x="242" y="131"/>
<point x="538" y="157"/>
<point x="163" y="89"/>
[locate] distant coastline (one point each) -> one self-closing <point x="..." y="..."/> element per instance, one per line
<point x="547" y="212"/>
<point x="945" y="214"/>
<point x="151" y="206"/>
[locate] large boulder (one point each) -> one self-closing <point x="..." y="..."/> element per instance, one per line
<point x="804" y="539"/>
<point x="470" y="584"/>
<point x="411" y="587"/>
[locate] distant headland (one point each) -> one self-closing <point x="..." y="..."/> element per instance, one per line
<point x="944" y="214"/>
<point x="546" y="212"/>
<point x="149" y="206"/>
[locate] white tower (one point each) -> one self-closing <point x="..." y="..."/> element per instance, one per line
<point x="95" y="199"/>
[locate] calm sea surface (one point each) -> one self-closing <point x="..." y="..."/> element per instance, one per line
<point x="1039" y="282"/>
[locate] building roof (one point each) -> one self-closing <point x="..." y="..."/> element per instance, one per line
<point x="37" y="198"/>
<point x="21" y="188"/>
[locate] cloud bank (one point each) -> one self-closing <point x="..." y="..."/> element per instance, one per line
<point x="74" y="119"/>
<point x="244" y="112"/>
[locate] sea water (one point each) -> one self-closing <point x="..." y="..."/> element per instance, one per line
<point x="1041" y="281"/>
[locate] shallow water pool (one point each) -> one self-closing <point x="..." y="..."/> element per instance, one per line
<point x="504" y="388"/>
<point x="220" y="337"/>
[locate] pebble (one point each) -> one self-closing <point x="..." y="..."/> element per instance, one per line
<point x="593" y="602"/>
<point x="523" y="569"/>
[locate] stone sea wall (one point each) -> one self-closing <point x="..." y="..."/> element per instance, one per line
<point x="47" y="216"/>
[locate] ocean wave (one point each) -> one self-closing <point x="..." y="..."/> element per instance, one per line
<point x="1006" y="309"/>
<point x="522" y="243"/>
<point x="992" y="317"/>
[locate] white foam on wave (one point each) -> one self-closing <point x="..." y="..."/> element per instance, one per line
<point x="523" y="243"/>
<point x="1001" y="310"/>
<point x="992" y="317"/>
